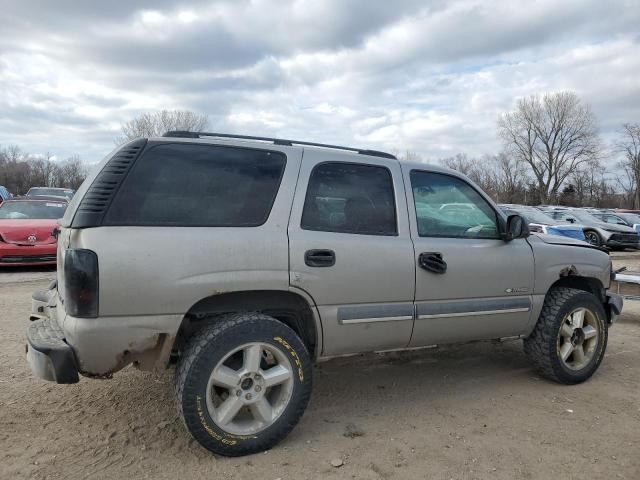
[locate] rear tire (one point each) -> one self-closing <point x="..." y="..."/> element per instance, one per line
<point x="570" y="338"/>
<point x="243" y="383"/>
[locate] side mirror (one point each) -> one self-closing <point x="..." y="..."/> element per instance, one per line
<point x="516" y="228"/>
<point x="571" y="220"/>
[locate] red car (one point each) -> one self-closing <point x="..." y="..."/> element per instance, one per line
<point x="26" y="231"/>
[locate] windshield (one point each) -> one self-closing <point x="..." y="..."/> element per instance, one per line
<point x="583" y="216"/>
<point x="31" y="210"/>
<point x="60" y="192"/>
<point x="533" y="215"/>
<point x="630" y="217"/>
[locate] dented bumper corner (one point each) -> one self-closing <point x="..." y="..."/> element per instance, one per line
<point x="613" y="306"/>
<point x="49" y="356"/>
<point x="95" y="347"/>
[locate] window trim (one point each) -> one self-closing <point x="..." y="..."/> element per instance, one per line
<point x="499" y="217"/>
<point x="357" y="164"/>
<point x="137" y="163"/>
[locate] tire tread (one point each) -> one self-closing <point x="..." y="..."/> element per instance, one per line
<point x="540" y="345"/>
<point x="204" y="337"/>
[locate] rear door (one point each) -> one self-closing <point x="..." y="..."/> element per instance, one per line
<point x="470" y="284"/>
<point x="350" y="249"/>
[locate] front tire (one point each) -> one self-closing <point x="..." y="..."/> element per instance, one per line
<point x="243" y="383"/>
<point x="593" y="238"/>
<point x="570" y="338"/>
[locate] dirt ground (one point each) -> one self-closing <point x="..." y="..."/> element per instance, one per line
<point x="474" y="411"/>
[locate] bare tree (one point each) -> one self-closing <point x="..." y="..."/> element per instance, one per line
<point x="587" y="182"/>
<point x="154" y="124"/>
<point x="511" y="178"/>
<point x="628" y="144"/>
<point x="408" y="156"/>
<point x="480" y="171"/>
<point x="15" y="172"/>
<point x="42" y="171"/>
<point x="19" y="171"/>
<point x="554" y="134"/>
<point x="625" y="181"/>
<point x="503" y="177"/>
<point x="460" y="162"/>
<point x="70" y="173"/>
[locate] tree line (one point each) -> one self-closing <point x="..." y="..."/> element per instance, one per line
<point x="20" y="170"/>
<point x="552" y="154"/>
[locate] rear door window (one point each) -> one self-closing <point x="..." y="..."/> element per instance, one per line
<point x="199" y="185"/>
<point x="350" y="198"/>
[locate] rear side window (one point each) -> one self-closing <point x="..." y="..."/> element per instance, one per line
<point x="199" y="186"/>
<point x="350" y="198"/>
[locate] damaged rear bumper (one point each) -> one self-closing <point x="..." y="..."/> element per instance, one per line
<point x="60" y="346"/>
<point x="49" y="356"/>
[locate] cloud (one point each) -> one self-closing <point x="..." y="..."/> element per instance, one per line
<point x="431" y="77"/>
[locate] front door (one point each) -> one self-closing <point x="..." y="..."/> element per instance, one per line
<point x="470" y="284"/>
<point x="350" y="250"/>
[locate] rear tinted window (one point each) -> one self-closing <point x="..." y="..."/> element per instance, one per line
<point x="199" y="185"/>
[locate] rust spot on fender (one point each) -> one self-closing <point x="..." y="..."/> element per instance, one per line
<point x="568" y="271"/>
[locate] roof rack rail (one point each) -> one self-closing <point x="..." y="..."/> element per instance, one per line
<point x="276" y="141"/>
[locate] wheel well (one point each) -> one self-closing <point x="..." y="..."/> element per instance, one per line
<point x="588" y="284"/>
<point x="287" y="307"/>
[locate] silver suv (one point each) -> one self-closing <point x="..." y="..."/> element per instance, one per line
<point x="244" y="259"/>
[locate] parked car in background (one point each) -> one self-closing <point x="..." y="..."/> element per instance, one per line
<point x="540" y="222"/>
<point x="593" y="209"/>
<point x="632" y="219"/>
<point x="54" y="198"/>
<point x="596" y="231"/>
<point x="628" y="219"/>
<point x="4" y="194"/>
<point x="50" y="191"/>
<point x="26" y="231"/>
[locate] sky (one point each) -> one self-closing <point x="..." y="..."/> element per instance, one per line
<point x="431" y="77"/>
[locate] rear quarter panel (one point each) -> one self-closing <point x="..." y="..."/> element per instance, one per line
<point x="166" y="270"/>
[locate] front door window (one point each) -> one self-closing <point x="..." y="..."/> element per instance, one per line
<point x="447" y="206"/>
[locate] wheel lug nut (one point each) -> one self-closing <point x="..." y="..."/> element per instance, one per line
<point x="258" y="388"/>
<point x="248" y="396"/>
<point x="238" y="393"/>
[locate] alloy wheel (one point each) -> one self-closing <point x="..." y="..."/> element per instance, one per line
<point x="578" y="338"/>
<point x="249" y="388"/>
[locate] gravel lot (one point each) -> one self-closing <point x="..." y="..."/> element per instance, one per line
<point x="474" y="411"/>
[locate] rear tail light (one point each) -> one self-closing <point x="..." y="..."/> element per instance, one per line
<point x="81" y="283"/>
